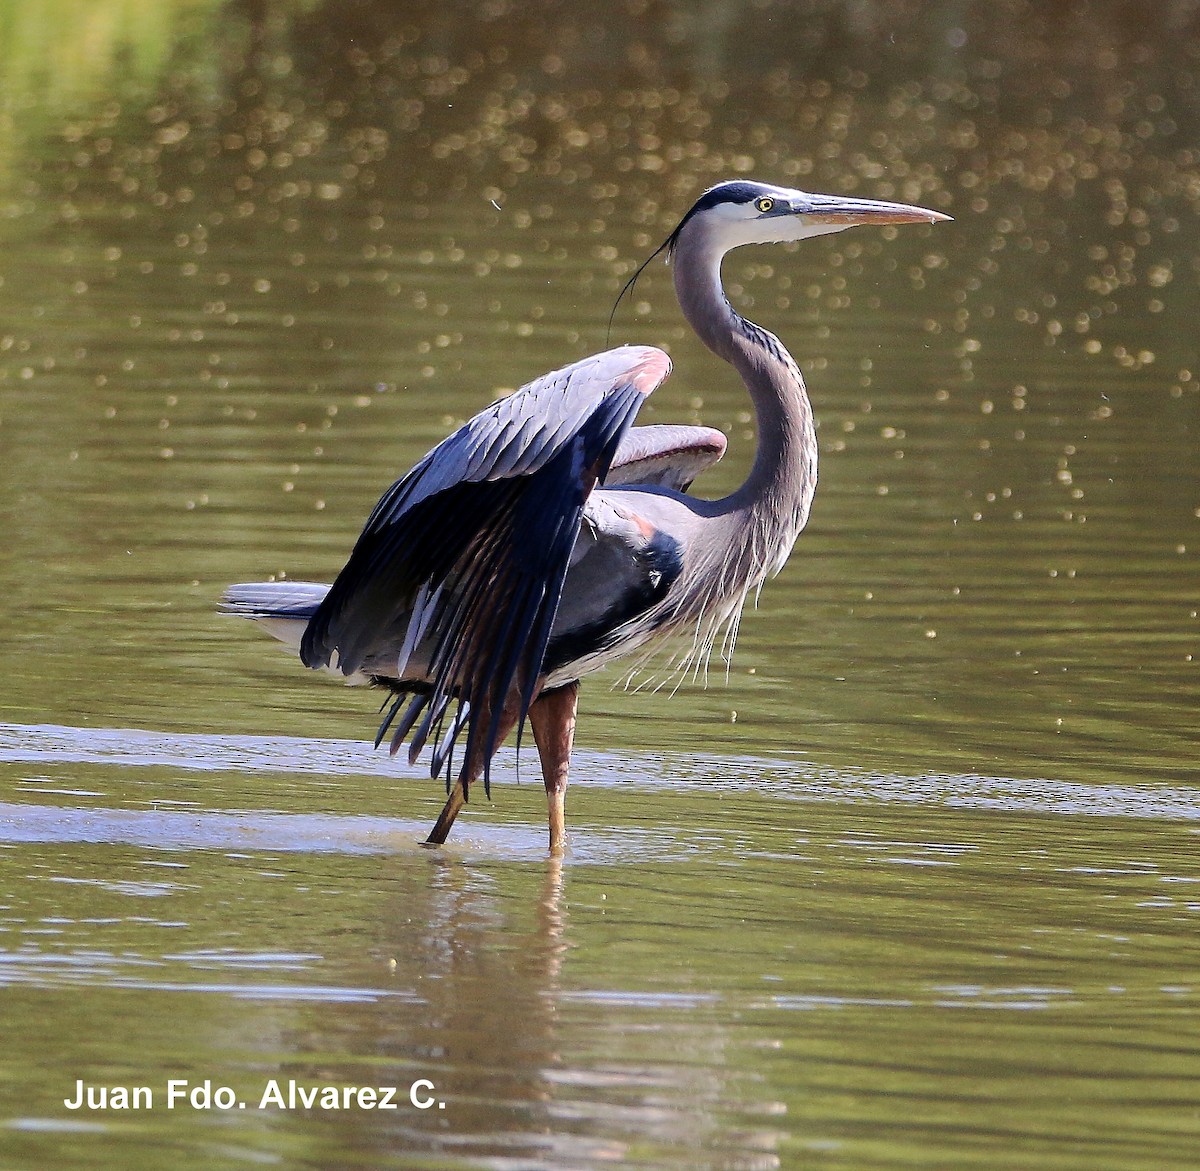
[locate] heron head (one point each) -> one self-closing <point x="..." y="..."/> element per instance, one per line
<point x="740" y="212"/>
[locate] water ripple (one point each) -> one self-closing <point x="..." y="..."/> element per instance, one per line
<point x="49" y="744"/>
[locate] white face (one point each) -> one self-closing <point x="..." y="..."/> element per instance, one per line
<point x="766" y="219"/>
<point x="776" y="215"/>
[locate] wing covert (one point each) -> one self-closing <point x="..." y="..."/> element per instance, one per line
<point x="669" y="455"/>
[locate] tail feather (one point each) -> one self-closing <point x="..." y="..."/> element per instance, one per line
<point x="281" y="608"/>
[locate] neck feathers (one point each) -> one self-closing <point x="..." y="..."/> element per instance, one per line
<point x="775" y="499"/>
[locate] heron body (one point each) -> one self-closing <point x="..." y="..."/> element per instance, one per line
<point x="549" y="536"/>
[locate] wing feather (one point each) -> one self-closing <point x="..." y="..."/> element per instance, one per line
<point x="467" y="555"/>
<point x="670" y="455"/>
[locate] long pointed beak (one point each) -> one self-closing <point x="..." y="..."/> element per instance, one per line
<point x="834" y="209"/>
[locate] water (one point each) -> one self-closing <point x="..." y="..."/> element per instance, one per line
<point x="925" y="896"/>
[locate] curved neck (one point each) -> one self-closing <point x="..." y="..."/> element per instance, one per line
<point x="781" y="483"/>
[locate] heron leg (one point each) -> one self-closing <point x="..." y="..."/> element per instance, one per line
<point x="441" y="827"/>
<point x="457" y="798"/>
<point x="552" y="717"/>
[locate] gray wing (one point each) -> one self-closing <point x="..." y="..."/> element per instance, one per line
<point x="468" y="552"/>
<point x="665" y="454"/>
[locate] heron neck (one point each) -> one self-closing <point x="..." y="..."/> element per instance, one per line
<point x="779" y="489"/>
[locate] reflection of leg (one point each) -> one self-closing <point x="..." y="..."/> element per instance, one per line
<point x="456" y="800"/>
<point x="552" y="718"/>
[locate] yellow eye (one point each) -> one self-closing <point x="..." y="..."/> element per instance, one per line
<point x="765" y="203"/>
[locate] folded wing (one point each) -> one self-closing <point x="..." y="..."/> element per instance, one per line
<point x="669" y="455"/>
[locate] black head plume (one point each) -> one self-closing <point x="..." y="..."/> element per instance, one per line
<point x="731" y="191"/>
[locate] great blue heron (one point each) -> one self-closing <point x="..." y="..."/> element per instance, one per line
<point x="548" y="536"/>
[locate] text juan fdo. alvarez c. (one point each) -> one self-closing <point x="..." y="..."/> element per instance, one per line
<point x="275" y="1094"/>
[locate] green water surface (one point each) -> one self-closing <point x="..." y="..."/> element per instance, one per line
<point x="911" y="884"/>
